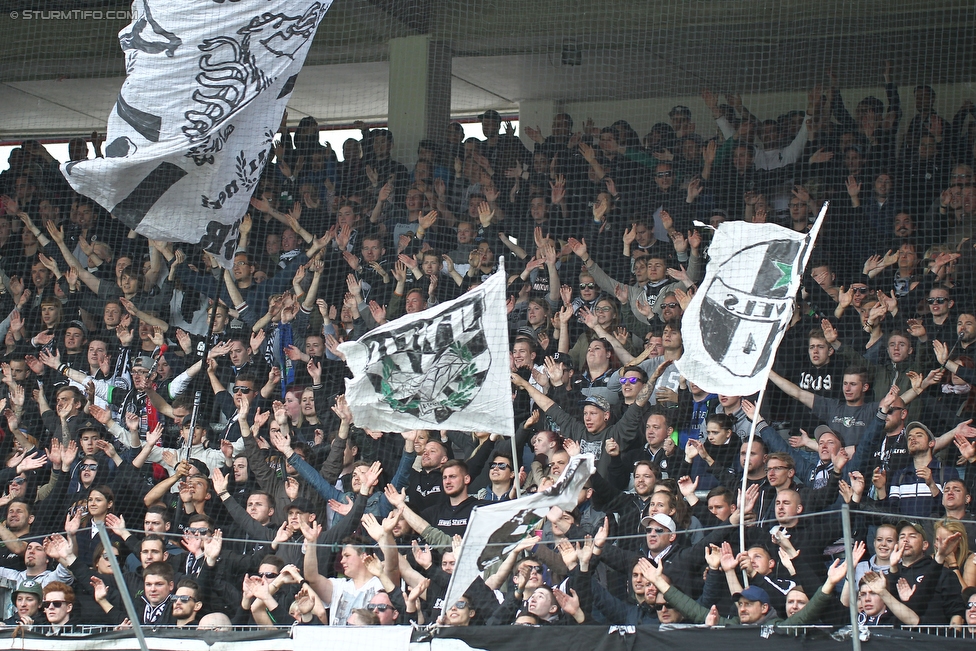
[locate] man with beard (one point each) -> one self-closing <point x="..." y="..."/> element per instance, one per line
<point x="915" y="490"/>
<point x="186" y="604"/>
<point x="36" y="569"/>
<point x="452" y="516"/>
<point x="933" y="590"/>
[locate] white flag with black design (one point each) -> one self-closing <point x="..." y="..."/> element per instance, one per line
<point x="494" y="530"/>
<point x="736" y="320"/>
<point x="206" y="85"/>
<point x="443" y="368"/>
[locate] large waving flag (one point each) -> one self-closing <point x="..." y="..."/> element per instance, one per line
<point x="206" y="85"/>
<point x="494" y="530"/>
<point x="737" y="318"/>
<point x="443" y="368"/>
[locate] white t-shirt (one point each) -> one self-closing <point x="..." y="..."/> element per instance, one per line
<point x="346" y="598"/>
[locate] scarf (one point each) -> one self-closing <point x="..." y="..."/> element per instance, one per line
<point x="152" y="614"/>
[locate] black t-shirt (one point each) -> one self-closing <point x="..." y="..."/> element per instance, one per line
<point x="451" y="519"/>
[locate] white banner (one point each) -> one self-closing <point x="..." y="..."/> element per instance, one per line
<point x="191" y="131"/>
<point x="493" y="531"/>
<point x="736" y="320"/>
<point x="444" y="368"/>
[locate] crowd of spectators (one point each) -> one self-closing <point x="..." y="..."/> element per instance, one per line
<point x="276" y="508"/>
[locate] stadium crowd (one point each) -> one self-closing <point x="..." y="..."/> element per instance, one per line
<point x="277" y="508"/>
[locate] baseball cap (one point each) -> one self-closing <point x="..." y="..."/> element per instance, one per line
<point x="662" y="519"/>
<point x="144" y="361"/>
<point x="823" y="429"/>
<point x="917" y="526"/>
<point x="752" y="593"/>
<point x="89" y="424"/>
<point x="302" y="504"/>
<point x="30" y="586"/>
<point x="598" y="401"/>
<point x="77" y="324"/>
<point x="967" y="593"/>
<point x="917" y="425"/>
<point x="563" y="358"/>
<point x="490" y="114"/>
<point x="527" y="332"/>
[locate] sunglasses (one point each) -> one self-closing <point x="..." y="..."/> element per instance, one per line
<point x="587" y="285"/>
<point x="657" y="531"/>
<point x="670" y="306"/>
<point x="971" y="604"/>
<point x="629" y="380"/>
<point x="663" y="175"/>
<point x="89" y="466"/>
<point x="660" y="607"/>
<point x="198" y="531"/>
<point x="183" y="598"/>
<point x="860" y="290"/>
<point x="18" y="481"/>
<point x="941" y="300"/>
<point x="52" y="604"/>
<point x="534" y="569"/>
<point x="383" y="607"/>
<point x="460" y="605"/>
<point x="241" y="390"/>
<point x="266" y="575"/>
<point x="499" y="466"/>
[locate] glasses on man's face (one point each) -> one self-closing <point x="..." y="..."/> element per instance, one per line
<point x="939" y="300"/>
<point x="197" y="531"/>
<point x="52" y="604"/>
<point x="776" y="469"/>
<point x="499" y="466"/>
<point x="183" y="598"/>
<point x="587" y="285"/>
<point x="660" y="607"/>
<point x="629" y="380"/>
<point x="664" y="175"/>
<point x="89" y="466"/>
<point x="242" y="390"/>
<point x="381" y="608"/>
<point x="670" y="306"/>
<point x="267" y="575"/>
<point x="534" y="569"/>
<point x="657" y="532"/>
<point x="859" y="290"/>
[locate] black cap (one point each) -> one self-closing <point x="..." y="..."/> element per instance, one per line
<point x="89" y="424"/>
<point x="302" y="504"/>
<point x="78" y="324"/>
<point x="563" y="358"/>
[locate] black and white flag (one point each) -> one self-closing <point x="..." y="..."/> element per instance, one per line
<point x="206" y="85"/>
<point x="494" y="530"/>
<point x="736" y="320"/>
<point x="443" y="368"/>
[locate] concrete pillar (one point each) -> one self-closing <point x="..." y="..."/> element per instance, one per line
<point x="420" y="93"/>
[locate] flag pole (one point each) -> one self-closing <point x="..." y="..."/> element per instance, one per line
<point x="745" y="477"/>
<point x="515" y="454"/>
<point x="203" y="353"/>
<point x="515" y="462"/>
